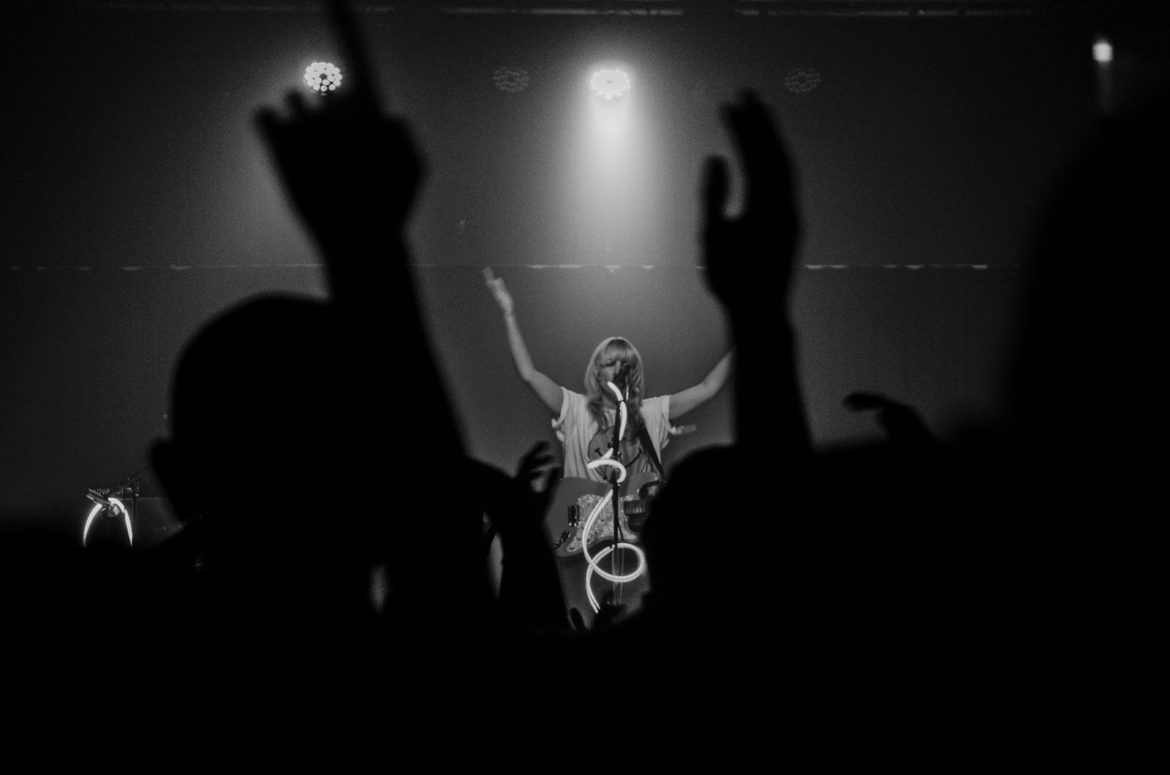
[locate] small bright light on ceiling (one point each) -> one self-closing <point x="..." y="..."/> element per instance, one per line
<point x="610" y="83"/>
<point x="802" y="80"/>
<point x="1103" y="51"/>
<point x="510" y="79"/>
<point x="322" y="77"/>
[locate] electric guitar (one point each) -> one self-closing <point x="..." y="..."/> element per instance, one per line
<point x="576" y="498"/>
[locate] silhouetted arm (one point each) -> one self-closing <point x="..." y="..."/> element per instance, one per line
<point x="354" y="201"/>
<point x="749" y="269"/>
<point x="530" y="588"/>
<point x="530" y="585"/>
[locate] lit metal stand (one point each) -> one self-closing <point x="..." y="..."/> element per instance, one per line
<point x="111" y="501"/>
<point x="621" y="410"/>
<point x="607" y="460"/>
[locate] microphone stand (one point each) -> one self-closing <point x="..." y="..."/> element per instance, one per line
<point x="621" y="380"/>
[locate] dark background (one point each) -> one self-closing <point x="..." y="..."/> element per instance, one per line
<point x="137" y="201"/>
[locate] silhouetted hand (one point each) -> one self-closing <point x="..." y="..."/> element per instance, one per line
<point x="345" y="165"/>
<point x="749" y="269"/>
<point x="527" y="502"/>
<point x="749" y="258"/>
<point x="900" y="422"/>
<point x="537" y="464"/>
<point x="577" y="621"/>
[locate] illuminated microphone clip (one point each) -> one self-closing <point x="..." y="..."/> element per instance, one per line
<point x="622" y="378"/>
<point x="96" y="498"/>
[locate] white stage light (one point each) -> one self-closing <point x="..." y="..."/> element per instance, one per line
<point x="1103" y="51"/>
<point x="610" y="83"/>
<point x="322" y="77"/>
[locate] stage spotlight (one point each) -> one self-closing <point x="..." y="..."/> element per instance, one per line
<point x="610" y="83"/>
<point x="322" y="77"/>
<point x="510" y="79"/>
<point x="1102" y="51"/>
<point x="802" y="80"/>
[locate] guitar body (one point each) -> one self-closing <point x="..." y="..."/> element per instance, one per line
<point x="576" y="498"/>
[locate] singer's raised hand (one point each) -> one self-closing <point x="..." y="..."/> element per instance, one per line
<point x="499" y="290"/>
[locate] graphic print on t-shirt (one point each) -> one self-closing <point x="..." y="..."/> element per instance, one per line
<point x="631" y="448"/>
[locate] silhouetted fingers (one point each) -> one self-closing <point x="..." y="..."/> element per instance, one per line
<point x="552" y="480"/>
<point x="268" y="121"/>
<point x="534" y="459"/>
<point x="548" y="492"/>
<point x="766" y="168"/>
<point x="715" y="190"/>
<point x="576" y="620"/>
<point x="360" y="90"/>
<point x="861" y="401"/>
<point x="737" y="118"/>
<point x="755" y="131"/>
<point x="297" y="108"/>
<point x="271" y="122"/>
<point x="537" y="465"/>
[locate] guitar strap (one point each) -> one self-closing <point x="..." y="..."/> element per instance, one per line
<point x="644" y="437"/>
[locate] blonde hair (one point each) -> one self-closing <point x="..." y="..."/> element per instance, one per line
<point x="615" y="347"/>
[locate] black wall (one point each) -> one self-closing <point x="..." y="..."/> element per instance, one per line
<point x="137" y="201"/>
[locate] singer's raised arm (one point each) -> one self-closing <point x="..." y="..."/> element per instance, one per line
<point x="691" y="398"/>
<point x="548" y="391"/>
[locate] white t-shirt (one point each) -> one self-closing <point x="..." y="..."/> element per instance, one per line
<point x="579" y="433"/>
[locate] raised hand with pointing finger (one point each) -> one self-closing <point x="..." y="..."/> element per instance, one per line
<point x="344" y="163"/>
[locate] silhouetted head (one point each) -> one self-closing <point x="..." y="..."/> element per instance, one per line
<point x="266" y="440"/>
<point x="693" y="536"/>
<point x="1080" y="384"/>
<point x="1085" y="407"/>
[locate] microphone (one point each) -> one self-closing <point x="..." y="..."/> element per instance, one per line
<point x="622" y="378"/>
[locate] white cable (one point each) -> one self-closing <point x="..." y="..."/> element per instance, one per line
<point x="616" y="391"/>
<point x="593" y="560"/>
<point x="593" y="568"/>
<point x="606" y="461"/>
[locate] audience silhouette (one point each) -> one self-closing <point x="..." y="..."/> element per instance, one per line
<point x="328" y="603"/>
